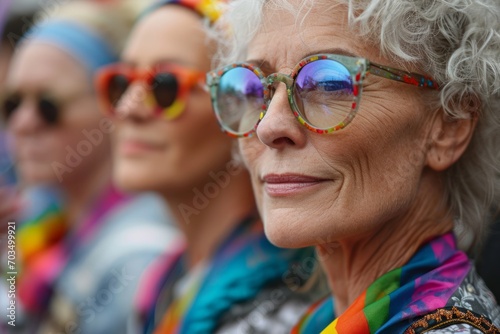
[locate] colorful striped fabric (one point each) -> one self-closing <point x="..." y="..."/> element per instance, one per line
<point x="44" y="263"/>
<point x="316" y="317"/>
<point x="38" y="234"/>
<point x="153" y="278"/>
<point x="43" y="222"/>
<point x="389" y="305"/>
<point x="243" y="265"/>
<point x="210" y="9"/>
<point x="172" y="321"/>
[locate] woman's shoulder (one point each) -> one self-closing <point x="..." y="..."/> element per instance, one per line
<point x="276" y="309"/>
<point x="457" y="329"/>
<point x="474" y="296"/>
<point x="471" y="309"/>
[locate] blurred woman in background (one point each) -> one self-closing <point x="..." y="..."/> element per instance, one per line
<point x="82" y="243"/>
<point x="226" y="276"/>
<point x="15" y="20"/>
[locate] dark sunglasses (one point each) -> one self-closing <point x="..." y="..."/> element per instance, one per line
<point x="47" y="107"/>
<point x="169" y="85"/>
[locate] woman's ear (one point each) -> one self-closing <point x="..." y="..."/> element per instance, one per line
<point x="448" y="139"/>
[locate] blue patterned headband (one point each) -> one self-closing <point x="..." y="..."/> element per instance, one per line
<point x="80" y="42"/>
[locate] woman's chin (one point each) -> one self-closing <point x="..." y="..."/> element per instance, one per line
<point x="31" y="175"/>
<point x="132" y="184"/>
<point x="281" y="235"/>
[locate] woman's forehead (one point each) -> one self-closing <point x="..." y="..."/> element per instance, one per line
<point x="41" y="66"/>
<point x="170" y="33"/>
<point x="297" y="36"/>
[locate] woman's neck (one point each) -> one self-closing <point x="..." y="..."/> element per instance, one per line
<point x="81" y="192"/>
<point x="207" y="215"/>
<point x="353" y="265"/>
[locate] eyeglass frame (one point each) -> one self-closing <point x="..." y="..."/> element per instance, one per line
<point x="357" y="67"/>
<point x="192" y="77"/>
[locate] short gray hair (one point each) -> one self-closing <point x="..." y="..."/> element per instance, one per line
<point x="457" y="42"/>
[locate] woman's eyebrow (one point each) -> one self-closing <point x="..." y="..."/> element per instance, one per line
<point x="335" y="51"/>
<point x="266" y="67"/>
<point x="129" y="63"/>
<point x="177" y="61"/>
<point x="159" y="61"/>
<point x="263" y="64"/>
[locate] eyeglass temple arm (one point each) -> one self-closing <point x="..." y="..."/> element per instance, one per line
<point x="403" y="76"/>
<point x="204" y="86"/>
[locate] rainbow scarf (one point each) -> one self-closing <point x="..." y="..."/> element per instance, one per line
<point x="44" y="263"/>
<point x="43" y="224"/>
<point x="241" y="267"/>
<point x="390" y="304"/>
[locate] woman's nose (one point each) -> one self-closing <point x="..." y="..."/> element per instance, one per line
<point x="136" y="103"/>
<point x="279" y="128"/>
<point x="25" y="119"/>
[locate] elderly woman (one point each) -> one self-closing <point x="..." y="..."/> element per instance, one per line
<point x="226" y="276"/>
<point x="375" y="125"/>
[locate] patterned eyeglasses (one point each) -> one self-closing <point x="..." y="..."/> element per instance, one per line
<point x="324" y="92"/>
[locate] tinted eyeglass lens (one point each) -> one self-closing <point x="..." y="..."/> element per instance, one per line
<point x="323" y="93"/>
<point x="48" y="110"/>
<point x="9" y="105"/>
<point x="117" y="86"/>
<point x="240" y="99"/>
<point x="165" y="88"/>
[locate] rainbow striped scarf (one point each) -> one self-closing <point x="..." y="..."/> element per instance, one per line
<point x="43" y="223"/>
<point x="390" y="304"/>
<point x="46" y="244"/>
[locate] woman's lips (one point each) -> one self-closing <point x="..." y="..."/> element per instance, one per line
<point x="135" y="147"/>
<point x="288" y="184"/>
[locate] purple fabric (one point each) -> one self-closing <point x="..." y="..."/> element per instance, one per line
<point x="4" y="10"/>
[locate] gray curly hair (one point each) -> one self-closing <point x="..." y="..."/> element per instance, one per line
<point x="457" y="42"/>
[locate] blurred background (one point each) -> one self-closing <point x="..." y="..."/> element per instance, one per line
<point x="75" y="233"/>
